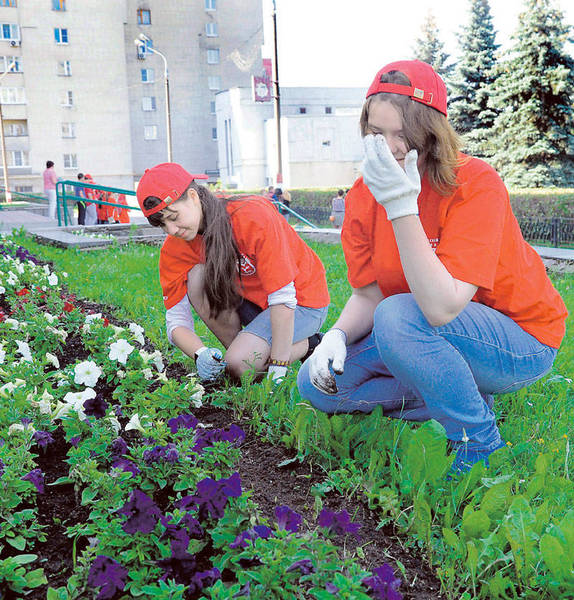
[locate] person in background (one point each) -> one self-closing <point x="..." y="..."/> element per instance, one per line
<point x="338" y="209"/>
<point x="269" y="193"/>
<point x="249" y="277"/>
<point x="50" y="180"/>
<point x="450" y="305"/>
<point x="119" y="215"/>
<point x="283" y="196"/>
<point x="81" y="201"/>
<point x="91" y="213"/>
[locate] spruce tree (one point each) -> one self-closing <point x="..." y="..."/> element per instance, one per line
<point x="468" y="108"/>
<point x="532" y="139"/>
<point x="429" y="47"/>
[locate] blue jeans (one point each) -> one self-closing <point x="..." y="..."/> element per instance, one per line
<point x="419" y="372"/>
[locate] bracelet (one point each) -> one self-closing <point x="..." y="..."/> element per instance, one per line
<point x="278" y="363"/>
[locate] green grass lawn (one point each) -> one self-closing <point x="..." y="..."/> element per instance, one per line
<point x="506" y="533"/>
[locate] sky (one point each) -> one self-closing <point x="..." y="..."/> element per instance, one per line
<point x="343" y="43"/>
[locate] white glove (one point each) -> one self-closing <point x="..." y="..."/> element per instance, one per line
<point x="332" y="349"/>
<point x="276" y="373"/>
<point x="209" y="363"/>
<point x="394" y="188"/>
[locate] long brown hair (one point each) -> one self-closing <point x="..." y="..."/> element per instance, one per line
<point x="221" y="253"/>
<point x="425" y="129"/>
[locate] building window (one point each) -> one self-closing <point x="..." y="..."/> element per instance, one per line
<point x="68" y="130"/>
<point x="10" y="32"/>
<point x="148" y="75"/>
<point x="144" y="16"/>
<point x="211" y="29"/>
<point x="328" y="110"/>
<point x="214" y="82"/>
<point x="7" y="2"/>
<point x="24" y="189"/>
<point x="58" y="4"/>
<point x="13" y="95"/>
<point x="15" y="128"/>
<point x="67" y="98"/>
<point x="214" y="133"/>
<point x="60" y="35"/>
<point x="148" y="103"/>
<point x="150" y="132"/>
<point x="144" y="48"/>
<point x="213" y="56"/>
<point x="212" y="107"/>
<point x="210" y="5"/>
<point x="70" y="161"/>
<point x="18" y="158"/>
<point x="14" y="63"/>
<point x="65" y="68"/>
<point x="302" y="110"/>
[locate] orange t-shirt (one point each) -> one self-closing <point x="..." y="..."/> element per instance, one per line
<point x="272" y="256"/>
<point x="475" y="235"/>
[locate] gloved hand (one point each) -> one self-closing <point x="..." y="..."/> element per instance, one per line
<point x="277" y="373"/>
<point x="209" y="363"/>
<point x="332" y="349"/>
<point x="394" y="188"/>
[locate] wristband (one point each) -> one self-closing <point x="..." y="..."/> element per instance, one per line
<point x="278" y="363"/>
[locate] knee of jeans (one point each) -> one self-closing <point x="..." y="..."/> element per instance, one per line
<point x="392" y="317"/>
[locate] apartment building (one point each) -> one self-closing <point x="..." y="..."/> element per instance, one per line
<point x="76" y="90"/>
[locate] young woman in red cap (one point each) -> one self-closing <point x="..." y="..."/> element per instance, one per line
<point x="250" y="278"/>
<point x="449" y="305"/>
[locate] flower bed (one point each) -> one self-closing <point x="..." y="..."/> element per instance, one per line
<point x="113" y="488"/>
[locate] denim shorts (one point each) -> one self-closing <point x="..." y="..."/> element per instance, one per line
<point x="258" y="322"/>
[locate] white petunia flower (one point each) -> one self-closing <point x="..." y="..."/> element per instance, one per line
<point x="46" y="269"/>
<point x="61" y="333"/>
<point x="2" y="290"/>
<point x="117" y="330"/>
<point x="50" y="318"/>
<point x="162" y="377"/>
<point x="14" y="428"/>
<point x="12" y="278"/>
<point x="121" y="374"/>
<point x="64" y="274"/>
<point x="53" y="279"/>
<point x="87" y="373"/>
<point x="147" y="373"/>
<point x="196" y="398"/>
<point x="120" y="351"/>
<point x="158" y="360"/>
<point x="137" y="330"/>
<point x="134" y="423"/>
<point x="13" y="324"/>
<point x="74" y="401"/>
<point x="115" y="424"/>
<point x="2" y="355"/>
<point x="90" y="318"/>
<point x="45" y="407"/>
<point x="19" y="267"/>
<point x="53" y="359"/>
<point x="24" y="350"/>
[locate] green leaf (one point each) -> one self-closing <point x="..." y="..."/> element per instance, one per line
<point x="497" y="499"/>
<point x="554" y="557"/>
<point x="62" y="481"/>
<point x="24" y="559"/>
<point x="88" y="495"/>
<point x="519" y="531"/>
<point x="475" y="524"/>
<point x="36" y="578"/>
<point x="426" y="458"/>
<point x="18" y="542"/>
<point x="450" y="538"/>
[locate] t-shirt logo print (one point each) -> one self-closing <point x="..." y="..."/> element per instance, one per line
<point x="246" y="266"/>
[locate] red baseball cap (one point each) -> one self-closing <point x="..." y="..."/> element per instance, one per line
<point x="427" y="87"/>
<point x="167" y="181"/>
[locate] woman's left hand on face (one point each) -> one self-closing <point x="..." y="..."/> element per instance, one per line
<point x="393" y="187"/>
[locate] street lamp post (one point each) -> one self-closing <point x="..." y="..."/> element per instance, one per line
<point x="7" y="192"/>
<point x="277" y="98"/>
<point x="140" y="41"/>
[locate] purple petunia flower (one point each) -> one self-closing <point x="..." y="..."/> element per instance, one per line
<point x="207" y="437"/>
<point x="109" y="574"/>
<point x="384" y="583"/>
<point x="142" y="513"/>
<point x="179" y="567"/>
<point x="182" y="422"/>
<point x="2" y="467"/>
<point x="194" y="528"/>
<point x="338" y="523"/>
<point x="259" y="531"/>
<point x="119" y="447"/>
<point x="176" y="534"/>
<point x="37" y="478"/>
<point x="126" y="465"/>
<point x="43" y="438"/>
<point x="158" y="454"/>
<point x="96" y="407"/>
<point x="211" y="496"/>
<point x="74" y="441"/>
<point x="331" y="588"/>
<point x="118" y="410"/>
<point x="26" y="421"/>
<point x="304" y="565"/>
<point x="288" y="519"/>
<point x="203" y="579"/>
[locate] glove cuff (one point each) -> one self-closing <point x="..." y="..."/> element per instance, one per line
<point x="401" y="207"/>
<point x="199" y="351"/>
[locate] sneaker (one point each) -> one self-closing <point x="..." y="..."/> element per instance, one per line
<point x="467" y="456"/>
<point x="314" y="341"/>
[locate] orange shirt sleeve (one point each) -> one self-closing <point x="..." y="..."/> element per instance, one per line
<point x="357" y="235"/>
<point x="176" y="259"/>
<point x="471" y="239"/>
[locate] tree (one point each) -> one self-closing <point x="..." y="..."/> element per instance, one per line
<point x="429" y="47"/>
<point x="532" y="140"/>
<point x="468" y="108"/>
